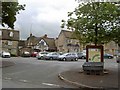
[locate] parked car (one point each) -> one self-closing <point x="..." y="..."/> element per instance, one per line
<point x="34" y="54"/>
<point x="81" y="55"/>
<point x="68" y="57"/>
<point x="26" y="54"/>
<point x="52" y="56"/>
<point x="5" y="55"/>
<point x="108" y="56"/>
<point x="41" y="55"/>
<point x="118" y="58"/>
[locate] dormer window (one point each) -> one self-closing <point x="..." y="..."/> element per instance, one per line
<point x="11" y="34"/>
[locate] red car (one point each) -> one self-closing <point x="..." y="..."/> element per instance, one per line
<point x="34" y="54"/>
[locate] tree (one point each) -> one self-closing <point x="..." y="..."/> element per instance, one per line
<point x="116" y="31"/>
<point x="9" y="12"/>
<point x="116" y="37"/>
<point x="94" y="21"/>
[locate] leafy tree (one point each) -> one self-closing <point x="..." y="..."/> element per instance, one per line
<point x="116" y="37"/>
<point x="9" y="12"/>
<point x="94" y="21"/>
<point x="116" y="31"/>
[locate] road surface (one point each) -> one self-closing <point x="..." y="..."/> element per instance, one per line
<point x="33" y="73"/>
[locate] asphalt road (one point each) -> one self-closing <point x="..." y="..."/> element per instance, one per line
<point x="33" y="73"/>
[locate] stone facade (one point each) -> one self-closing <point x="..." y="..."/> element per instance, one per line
<point x="111" y="48"/>
<point x="9" y="41"/>
<point x="66" y="42"/>
<point x="21" y="45"/>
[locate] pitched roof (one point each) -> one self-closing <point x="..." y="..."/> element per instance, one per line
<point x="32" y="39"/>
<point x="35" y="40"/>
<point x="68" y="34"/>
<point x="50" y="42"/>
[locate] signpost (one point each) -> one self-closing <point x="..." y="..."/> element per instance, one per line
<point x="94" y="60"/>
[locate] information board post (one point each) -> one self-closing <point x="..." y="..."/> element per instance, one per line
<point x="94" y="60"/>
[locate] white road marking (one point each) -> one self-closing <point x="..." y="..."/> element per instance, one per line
<point x="7" y="78"/>
<point x="25" y="81"/>
<point x="49" y="84"/>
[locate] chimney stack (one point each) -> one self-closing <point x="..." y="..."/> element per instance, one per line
<point x="45" y="36"/>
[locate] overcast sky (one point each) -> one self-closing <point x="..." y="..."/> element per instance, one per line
<point x="43" y="17"/>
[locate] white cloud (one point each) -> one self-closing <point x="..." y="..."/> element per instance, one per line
<point x="44" y="15"/>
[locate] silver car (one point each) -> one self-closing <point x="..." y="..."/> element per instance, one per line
<point x="68" y="57"/>
<point x="41" y="55"/>
<point x="52" y="55"/>
<point x="81" y="55"/>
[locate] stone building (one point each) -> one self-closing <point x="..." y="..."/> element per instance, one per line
<point x="21" y="45"/>
<point x="111" y="48"/>
<point x="43" y="43"/>
<point x="46" y="44"/>
<point x="9" y="41"/>
<point x="66" y="42"/>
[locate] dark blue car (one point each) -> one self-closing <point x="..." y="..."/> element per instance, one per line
<point x="108" y="56"/>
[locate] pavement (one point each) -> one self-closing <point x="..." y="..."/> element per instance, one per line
<point x="107" y="81"/>
<point x="4" y="64"/>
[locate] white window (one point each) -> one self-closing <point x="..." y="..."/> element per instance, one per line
<point x="28" y="44"/>
<point x="11" y="34"/>
<point x="68" y="40"/>
<point x="9" y="42"/>
<point x="43" y="43"/>
<point x="0" y="33"/>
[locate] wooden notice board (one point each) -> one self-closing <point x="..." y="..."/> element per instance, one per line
<point x="94" y="53"/>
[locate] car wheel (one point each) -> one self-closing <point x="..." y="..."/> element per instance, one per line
<point x="42" y="57"/>
<point x="76" y="59"/>
<point x="117" y="61"/>
<point x="109" y="57"/>
<point x="64" y="59"/>
<point x="51" y="58"/>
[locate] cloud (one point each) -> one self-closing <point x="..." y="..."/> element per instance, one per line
<point x="43" y="17"/>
